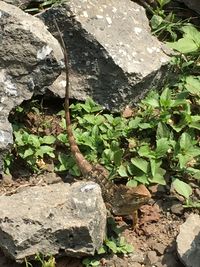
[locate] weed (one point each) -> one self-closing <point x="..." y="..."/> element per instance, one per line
<point x="44" y="5"/>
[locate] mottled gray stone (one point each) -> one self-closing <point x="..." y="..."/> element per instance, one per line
<point x="55" y="219"/>
<point x="19" y="3"/>
<point x="113" y="56"/>
<point x="188" y="241"/>
<point x="30" y="61"/>
<point x="193" y="4"/>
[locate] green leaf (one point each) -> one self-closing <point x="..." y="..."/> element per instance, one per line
<point x="193" y="85"/>
<point x="111" y="245"/>
<point x="162" y="131"/>
<point x="33" y="140"/>
<point x="152" y="99"/>
<point x="140" y="164"/>
<point x="28" y="152"/>
<point x="145" y="125"/>
<point x="118" y="157"/>
<point x="90" y="262"/>
<point x="165" y="98"/>
<point x="182" y="188"/>
<point x="134" y="123"/>
<point x="122" y="171"/>
<point x="45" y="150"/>
<point x="183" y="160"/>
<point x="145" y="151"/>
<point x="141" y="178"/>
<point x="102" y="250"/>
<point x="47" y="140"/>
<point x="162" y="146"/>
<point x="156" y="21"/>
<point x="63" y="138"/>
<point x="132" y="183"/>
<point x="157" y="172"/>
<point x="192" y="33"/>
<point x="185" y="142"/>
<point x="194" y="172"/>
<point x="184" y="45"/>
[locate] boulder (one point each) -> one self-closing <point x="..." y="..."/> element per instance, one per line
<point x="58" y="219"/>
<point x="113" y="56"/>
<point x="188" y="241"/>
<point x="20" y="3"/>
<point x="30" y="61"/>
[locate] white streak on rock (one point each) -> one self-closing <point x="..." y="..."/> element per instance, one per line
<point x="43" y="52"/>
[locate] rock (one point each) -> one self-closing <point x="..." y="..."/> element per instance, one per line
<point x="20" y="3"/>
<point x="193" y="4"/>
<point x="136" y="256"/>
<point x="177" y="208"/>
<point x="159" y="248"/>
<point x="152" y="258"/>
<point x="30" y="61"/>
<point x="55" y="219"/>
<point x="169" y="260"/>
<point x="188" y="241"/>
<point x="113" y="56"/>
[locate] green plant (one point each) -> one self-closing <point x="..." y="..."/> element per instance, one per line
<point x="32" y="148"/>
<point x="164" y="24"/>
<point x="113" y="243"/>
<point x="45" y="4"/>
<point x="90" y="262"/>
<point x="49" y="262"/>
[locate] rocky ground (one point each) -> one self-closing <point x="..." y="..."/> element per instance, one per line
<point x="154" y="240"/>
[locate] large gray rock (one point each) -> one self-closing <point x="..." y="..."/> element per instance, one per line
<point x="20" y="3"/>
<point x="188" y="241"/>
<point x="54" y="219"/>
<point x="113" y="56"/>
<point x="30" y="58"/>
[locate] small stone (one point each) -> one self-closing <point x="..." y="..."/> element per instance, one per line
<point x="159" y="248"/>
<point x="152" y="257"/>
<point x="136" y="256"/>
<point x="177" y="208"/>
<point x="136" y="264"/>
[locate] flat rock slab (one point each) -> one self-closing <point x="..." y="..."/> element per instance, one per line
<point x="112" y="54"/>
<point x="55" y="219"/>
<point x="188" y="241"/>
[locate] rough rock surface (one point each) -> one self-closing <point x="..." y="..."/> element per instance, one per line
<point x="55" y="219"/>
<point x="20" y="3"/>
<point x="113" y="56"/>
<point x="188" y="241"/>
<point x="193" y="4"/>
<point x="30" y="58"/>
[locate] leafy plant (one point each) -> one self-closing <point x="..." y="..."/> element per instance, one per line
<point x="90" y="262"/>
<point x="164" y="24"/>
<point x="115" y="243"/>
<point x="32" y="148"/>
<point x="45" y="4"/>
<point x="49" y="262"/>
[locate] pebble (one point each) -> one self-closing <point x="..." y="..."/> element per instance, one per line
<point x="177" y="208"/>
<point x="152" y="257"/>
